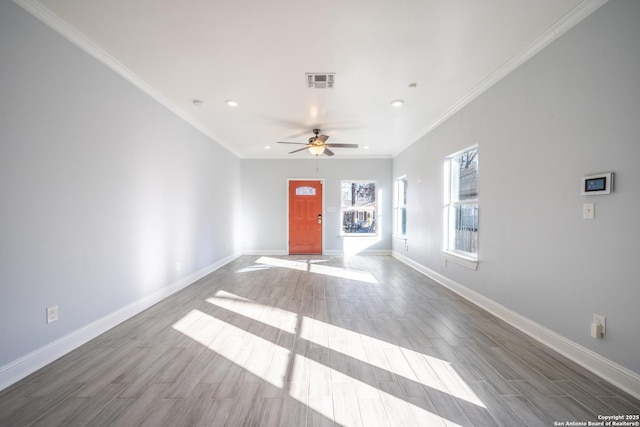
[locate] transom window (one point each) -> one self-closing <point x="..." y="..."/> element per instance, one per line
<point x="461" y="203"/>
<point x="358" y="207"/>
<point x="305" y="191"/>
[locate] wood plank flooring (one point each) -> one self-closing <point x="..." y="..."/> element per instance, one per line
<point x="312" y="341"/>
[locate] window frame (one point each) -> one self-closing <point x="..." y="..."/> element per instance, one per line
<point x="399" y="206"/>
<point x="360" y="211"/>
<point x="449" y="251"/>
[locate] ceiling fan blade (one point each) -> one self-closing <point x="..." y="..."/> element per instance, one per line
<point x="299" y="149"/>
<point x="299" y="143"/>
<point x="327" y="151"/>
<point x="343" y="145"/>
<point x="322" y="138"/>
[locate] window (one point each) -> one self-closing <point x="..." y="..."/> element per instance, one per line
<point x="305" y="191"/>
<point x="461" y="205"/>
<point x="358" y="207"/>
<point x="400" y="207"/>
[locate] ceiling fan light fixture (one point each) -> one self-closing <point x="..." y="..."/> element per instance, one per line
<point x="316" y="150"/>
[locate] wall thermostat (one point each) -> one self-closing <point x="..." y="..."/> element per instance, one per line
<point x="597" y="184"/>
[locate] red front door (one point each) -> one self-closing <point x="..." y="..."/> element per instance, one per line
<point x="305" y="217"/>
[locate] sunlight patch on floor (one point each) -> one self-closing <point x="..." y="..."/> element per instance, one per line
<point x="444" y="378"/>
<point x="253" y="268"/>
<point x="320" y="386"/>
<point x="218" y="335"/>
<point x="285" y="263"/>
<point x="272" y="316"/>
<point x="372" y="360"/>
<point x="452" y="380"/>
<point x="314" y="267"/>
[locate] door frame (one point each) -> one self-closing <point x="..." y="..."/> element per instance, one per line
<point x="321" y="181"/>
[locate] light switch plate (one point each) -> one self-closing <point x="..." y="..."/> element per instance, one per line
<point x="589" y="211"/>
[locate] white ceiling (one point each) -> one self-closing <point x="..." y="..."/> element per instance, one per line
<point x="257" y="52"/>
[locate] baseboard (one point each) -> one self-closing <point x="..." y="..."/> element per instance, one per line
<point x="28" y="364"/>
<point x="608" y="370"/>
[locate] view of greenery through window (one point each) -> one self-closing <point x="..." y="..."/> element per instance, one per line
<point x="358" y="207"/>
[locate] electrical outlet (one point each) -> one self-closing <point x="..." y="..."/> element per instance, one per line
<point x="601" y="320"/>
<point x="52" y="314"/>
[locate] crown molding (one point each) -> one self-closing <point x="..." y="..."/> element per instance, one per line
<point x="577" y="14"/>
<point x="564" y="24"/>
<point x="46" y="16"/>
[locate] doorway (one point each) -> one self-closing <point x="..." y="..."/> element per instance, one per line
<point x="305" y="217"/>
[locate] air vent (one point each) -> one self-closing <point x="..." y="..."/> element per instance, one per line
<point x="320" y="80"/>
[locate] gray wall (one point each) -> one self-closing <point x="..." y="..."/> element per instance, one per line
<point x="103" y="191"/>
<point x="571" y="110"/>
<point x="264" y="199"/>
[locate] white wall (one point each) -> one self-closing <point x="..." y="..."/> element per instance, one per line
<point x="264" y="200"/>
<point x="103" y="190"/>
<point x="571" y="110"/>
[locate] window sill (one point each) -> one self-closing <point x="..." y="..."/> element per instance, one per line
<point x="465" y="261"/>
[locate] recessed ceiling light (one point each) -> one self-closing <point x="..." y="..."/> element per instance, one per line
<point x="232" y="103"/>
<point x="198" y="103"/>
<point x="366" y="147"/>
<point x="267" y="147"/>
<point x="397" y="103"/>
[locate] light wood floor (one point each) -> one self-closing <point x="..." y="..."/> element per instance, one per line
<point x="268" y="341"/>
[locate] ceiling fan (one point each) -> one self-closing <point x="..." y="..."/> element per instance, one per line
<point x="317" y="145"/>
